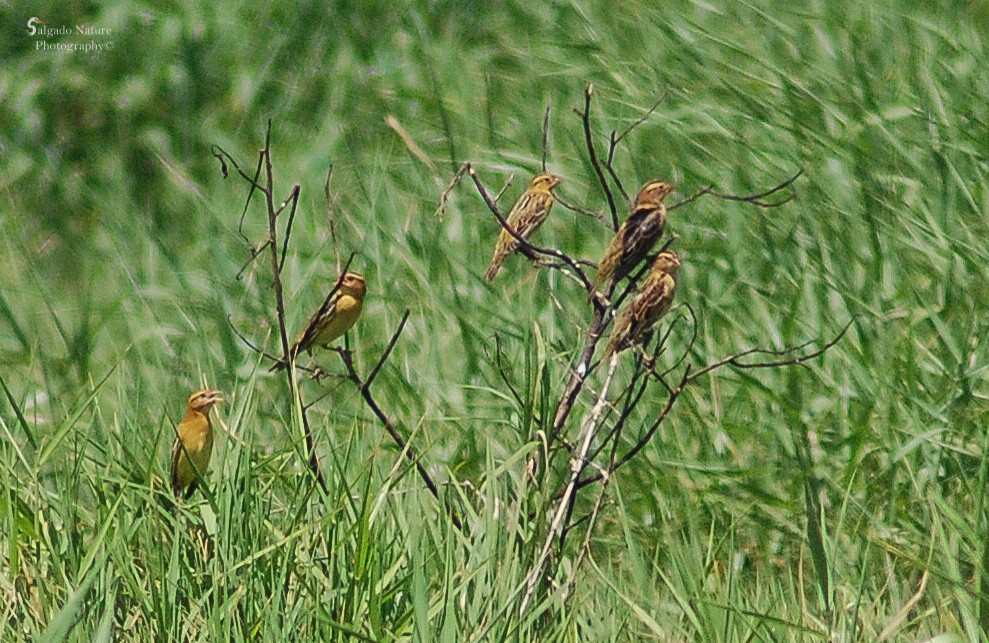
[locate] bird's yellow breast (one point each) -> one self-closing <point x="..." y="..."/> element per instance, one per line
<point x="346" y="310"/>
<point x="196" y="435"/>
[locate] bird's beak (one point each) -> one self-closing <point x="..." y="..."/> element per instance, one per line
<point x="215" y="397"/>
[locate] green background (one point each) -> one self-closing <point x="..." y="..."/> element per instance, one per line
<point x="119" y="295"/>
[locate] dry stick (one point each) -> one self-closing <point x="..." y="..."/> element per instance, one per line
<point x="617" y="138"/>
<point x="331" y="215"/>
<point x="448" y="190"/>
<point x="632" y="399"/>
<point x="222" y="156"/>
<point x="267" y="190"/>
<point x="585" y="118"/>
<point x="689" y="377"/>
<point x="754" y="199"/>
<point x="276" y="271"/>
<point x="293" y="198"/>
<point x="585" y="547"/>
<point x="364" y="386"/>
<point x="579" y="373"/>
<point x="585" y="437"/>
<point x="546" y="134"/>
<point x="800" y="359"/>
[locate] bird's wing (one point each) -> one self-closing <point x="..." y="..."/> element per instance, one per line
<point x="311" y="329"/>
<point x="540" y="205"/>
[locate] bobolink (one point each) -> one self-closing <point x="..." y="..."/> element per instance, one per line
<point x="193" y="442"/>
<point x="334" y="318"/>
<point x="649" y="305"/>
<point x="529" y="212"/>
<point x="636" y="236"/>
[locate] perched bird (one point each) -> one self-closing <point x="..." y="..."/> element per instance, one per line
<point x="526" y="216"/>
<point x="636" y="237"/>
<point x="334" y="318"/>
<point x="649" y="305"/>
<point x="193" y="442"/>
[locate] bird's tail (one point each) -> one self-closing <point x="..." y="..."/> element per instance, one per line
<point x="493" y="269"/>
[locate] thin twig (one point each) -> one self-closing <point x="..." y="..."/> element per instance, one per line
<point x="793" y="361"/>
<point x="502" y="372"/>
<point x="255" y="253"/>
<point x="549" y="107"/>
<point x="294" y="198"/>
<point x="754" y="199"/>
<point x="585" y="117"/>
<point x="364" y="386"/>
<point x="448" y="190"/>
<point x="617" y="138"/>
<point x="331" y="215"/>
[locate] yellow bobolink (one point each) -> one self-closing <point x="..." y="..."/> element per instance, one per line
<point x="526" y="216"/>
<point x="333" y="319"/>
<point x="649" y="305"/>
<point x="636" y="237"/>
<point x="193" y="442"/>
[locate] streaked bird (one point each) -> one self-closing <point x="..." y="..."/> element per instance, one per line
<point x="636" y="236"/>
<point x="529" y="212"/>
<point x="653" y="300"/>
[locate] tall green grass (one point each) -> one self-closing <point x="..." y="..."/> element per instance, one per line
<point x="842" y="499"/>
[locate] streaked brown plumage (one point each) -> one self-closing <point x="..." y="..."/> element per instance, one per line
<point x="636" y="237"/>
<point x="529" y="212"/>
<point x="333" y="319"/>
<point x="649" y="305"/>
<point x="193" y="442"/>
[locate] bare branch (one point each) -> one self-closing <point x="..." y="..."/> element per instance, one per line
<point x="617" y="138"/>
<point x="754" y="199"/>
<point x="364" y="386"/>
<point x="674" y="394"/>
<point x="331" y="215"/>
<point x="579" y="210"/>
<point x="223" y="156"/>
<point x="549" y="107"/>
<point x="388" y="349"/>
<point x="265" y="166"/>
<point x="586" y="436"/>
<point x="585" y="117"/>
<point x="448" y="190"/>
<point x="247" y="342"/>
<point x="255" y="253"/>
<point x="578" y="373"/>
<point x="294" y="199"/>
<point x="789" y="361"/>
